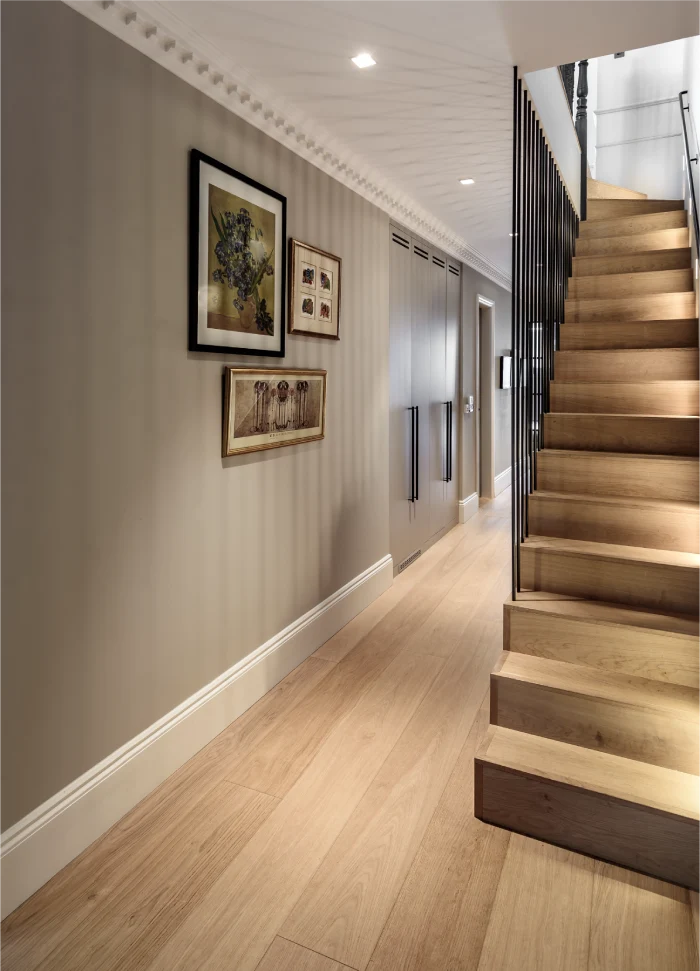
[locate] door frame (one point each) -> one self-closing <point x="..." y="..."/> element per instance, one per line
<point x="489" y="393"/>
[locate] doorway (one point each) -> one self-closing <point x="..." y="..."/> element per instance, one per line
<point x="485" y="396"/>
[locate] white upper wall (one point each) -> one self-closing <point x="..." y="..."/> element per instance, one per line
<point x="638" y="141"/>
<point x="548" y="96"/>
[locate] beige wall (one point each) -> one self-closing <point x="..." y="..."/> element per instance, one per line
<point x="139" y="565"/>
<point x="473" y="283"/>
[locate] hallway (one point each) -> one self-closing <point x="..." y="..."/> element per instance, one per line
<point x="332" y="825"/>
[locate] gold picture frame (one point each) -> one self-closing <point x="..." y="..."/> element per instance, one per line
<point x="271" y="407"/>
<point x="314" y="291"/>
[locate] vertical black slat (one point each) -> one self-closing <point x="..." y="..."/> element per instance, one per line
<point x="513" y="343"/>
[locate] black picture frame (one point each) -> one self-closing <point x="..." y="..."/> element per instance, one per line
<point x="197" y="159"/>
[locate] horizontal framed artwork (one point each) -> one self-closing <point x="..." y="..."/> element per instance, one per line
<point x="237" y="260"/>
<point x="314" y="291"/>
<point x="267" y="408"/>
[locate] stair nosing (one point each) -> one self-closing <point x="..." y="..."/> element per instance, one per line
<point x="598" y="498"/>
<point x="647" y="801"/>
<point x="611" y="686"/>
<point x="615" y="551"/>
<point x="536" y="606"/>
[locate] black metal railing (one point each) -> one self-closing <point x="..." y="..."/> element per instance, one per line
<point x="545" y="226"/>
<point x="691" y="150"/>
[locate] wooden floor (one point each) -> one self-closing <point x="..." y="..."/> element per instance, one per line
<point x="332" y="825"/>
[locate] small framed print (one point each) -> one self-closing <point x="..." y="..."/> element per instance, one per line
<point x="268" y="408"/>
<point x="308" y="277"/>
<point x="236" y="262"/>
<point x="314" y="291"/>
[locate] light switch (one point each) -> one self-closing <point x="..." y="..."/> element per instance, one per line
<point x="469" y="405"/>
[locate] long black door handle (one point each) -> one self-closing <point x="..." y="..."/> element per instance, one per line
<point x="449" y="443"/>
<point x="412" y="497"/>
<point x="417" y="451"/>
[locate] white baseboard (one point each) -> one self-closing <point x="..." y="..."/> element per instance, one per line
<point x="468" y="507"/>
<point x="42" y="843"/>
<point x="501" y="482"/>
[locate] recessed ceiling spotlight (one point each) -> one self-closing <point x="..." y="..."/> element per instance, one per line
<point x="466" y="181"/>
<point x="363" y="60"/>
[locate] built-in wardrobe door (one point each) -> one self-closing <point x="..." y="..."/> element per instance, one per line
<point x="401" y="428"/>
<point x="421" y="286"/>
<point x="453" y="318"/>
<point x="438" y="392"/>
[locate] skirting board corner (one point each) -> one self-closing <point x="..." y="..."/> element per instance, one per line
<point x="468" y="507"/>
<point x="501" y="482"/>
<point x="47" y="839"/>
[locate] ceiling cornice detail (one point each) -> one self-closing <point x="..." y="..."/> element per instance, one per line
<point x="157" y="32"/>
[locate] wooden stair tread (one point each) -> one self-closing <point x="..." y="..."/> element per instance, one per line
<point x="634" y="283"/>
<point x="618" y="615"/>
<point x="663" y="399"/>
<point x="657" y="788"/>
<point x="623" y="689"/>
<point x="613" y="551"/>
<point x="647" y="306"/>
<point x="616" y="208"/>
<point x="673" y="257"/>
<point x="624" y="501"/>
<point x="636" y="242"/>
<point x="632" y="225"/>
<point x="628" y="334"/>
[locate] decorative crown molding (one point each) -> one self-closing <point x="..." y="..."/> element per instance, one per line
<point x="156" y="31"/>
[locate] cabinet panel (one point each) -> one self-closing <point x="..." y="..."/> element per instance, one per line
<point x="438" y="395"/>
<point x="453" y="316"/>
<point x="402" y="529"/>
<point x="420" y="379"/>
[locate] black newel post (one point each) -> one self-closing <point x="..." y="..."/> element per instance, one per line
<point x="567" y="72"/>
<point x="582" y="129"/>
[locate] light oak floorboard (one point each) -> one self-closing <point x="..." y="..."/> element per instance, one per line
<point x="61" y="906"/>
<point x="346" y="904"/>
<point x="143" y="911"/>
<point x="638" y="922"/>
<point x="441" y="916"/>
<point x="273" y="869"/>
<point x="695" y="909"/>
<point x="542" y="912"/>
<point x="287" y="956"/>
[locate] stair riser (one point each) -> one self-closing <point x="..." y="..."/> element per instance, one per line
<point x="636" y="476"/>
<point x="618" y="208"/>
<point x="670" y="259"/>
<point x="667" y="529"/>
<point x="630" y="284"/>
<point x="657" y="586"/>
<point x="615" y="648"/>
<point x="673" y="398"/>
<point x="640" y="225"/>
<point x="673" y="364"/>
<point x="592" y="722"/>
<point x="635" y="243"/>
<point x="629" y="335"/>
<point x="659" y="844"/>
<point x="609" y="433"/>
<point x="654" y="306"/>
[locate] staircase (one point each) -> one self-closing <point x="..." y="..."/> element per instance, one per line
<point x="593" y="743"/>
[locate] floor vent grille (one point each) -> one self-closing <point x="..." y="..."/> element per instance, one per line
<point x="409" y="560"/>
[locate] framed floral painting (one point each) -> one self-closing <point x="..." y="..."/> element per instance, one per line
<point x="314" y="291"/>
<point x="267" y="408"/>
<point x="237" y="262"/>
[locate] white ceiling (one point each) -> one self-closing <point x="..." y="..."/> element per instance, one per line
<point x="437" y="106"/>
